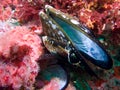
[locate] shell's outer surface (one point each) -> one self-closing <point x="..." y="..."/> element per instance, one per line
<point x="66" y="29"/>
<point x="51" y="28"/>
<point x="54" y="40"/>
<point x="54" y="46"/>
<point x="60" y="49"/>
<point x="50" y="73"/>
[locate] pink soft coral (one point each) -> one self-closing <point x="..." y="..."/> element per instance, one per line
<point x="19" y="53"/>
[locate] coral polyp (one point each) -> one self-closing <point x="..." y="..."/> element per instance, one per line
<point x="19" y="53"/>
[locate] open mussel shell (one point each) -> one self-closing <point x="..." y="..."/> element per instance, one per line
<point x="66" y="29"/>
<point x="56" y="71"/>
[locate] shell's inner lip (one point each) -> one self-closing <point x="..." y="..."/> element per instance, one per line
<point x="84" y="44"/>
<point x="56" y="71"/>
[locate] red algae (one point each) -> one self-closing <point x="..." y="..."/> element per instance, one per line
<point x="19" y="52"/>
<point x="117" y="72"/>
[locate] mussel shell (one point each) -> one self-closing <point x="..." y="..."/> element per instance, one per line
<point x="69" y="30"/>
<point x="56" y="71"/>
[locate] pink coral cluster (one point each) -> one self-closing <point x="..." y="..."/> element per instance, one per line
<point x="19" y="53"/>
<point x="6" y="9"/>
<point x="5" y="13"/>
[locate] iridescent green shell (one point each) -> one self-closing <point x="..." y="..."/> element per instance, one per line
<point x="78" y="39"/>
